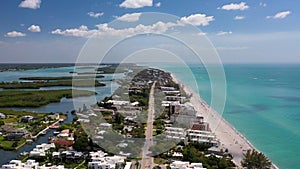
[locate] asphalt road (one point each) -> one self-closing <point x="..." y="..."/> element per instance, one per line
<point x="147" y="159"/>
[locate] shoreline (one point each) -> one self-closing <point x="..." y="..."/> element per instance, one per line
<point x="229" y="137"/>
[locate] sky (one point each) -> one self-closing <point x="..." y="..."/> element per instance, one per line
<point x="263" y="31"/>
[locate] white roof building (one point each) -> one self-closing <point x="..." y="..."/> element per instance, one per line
<point x="200" y="136"/>
<point x="106" y="162"/>
<point x="175" y="133"/>
<point x="40" y="150"/>
<point x="185" y="165"/>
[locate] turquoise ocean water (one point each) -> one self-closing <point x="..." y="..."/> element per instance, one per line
<point x="263" y="103"/>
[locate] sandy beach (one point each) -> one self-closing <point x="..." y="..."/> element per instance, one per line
<point x="228" y="136"/>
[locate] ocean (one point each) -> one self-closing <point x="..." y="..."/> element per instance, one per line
<point x="263" y="103"/>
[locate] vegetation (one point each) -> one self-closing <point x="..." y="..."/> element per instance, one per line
<point x="114" y="68"/>
<point x="81" y="140"/>
<point x="37" y="85"/>
<point x="195" y="153"/>
<point x="18" y="66"/>
<point x="255" y="160"/>
<point x="61" y="78"/>
<point x="38" y="98"/>
<point x="10" y="145"/>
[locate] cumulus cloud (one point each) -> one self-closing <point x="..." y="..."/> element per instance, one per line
<point x="136" y="3"/>
<point x="133" y="17"/>
<point x="34" y="28"/>
<point x="95" y="14"/>
<point x="234" y="6"/>
<point x="239" y="17"/>
<point x="105" y="30"/>
<point x="197" y="19"/>
<point x="158" y="27"/>
<point x="158" y="4"/>
<point x="15" y="34"/>
<point x="221" y="33"/>
<point x="32" y="4"/>
<point x="280" y="15"/>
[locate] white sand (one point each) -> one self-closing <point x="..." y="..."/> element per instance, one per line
<point x="229" y="137"/>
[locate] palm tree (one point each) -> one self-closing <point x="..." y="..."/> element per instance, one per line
<point x="255" y="160"/>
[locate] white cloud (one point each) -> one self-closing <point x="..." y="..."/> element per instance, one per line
<point x="82" y="31"/>
<point x="15" y="34"/>
<point x="197" y="19"/>
<point x="158" y="27"/>
<point x="158" y="4"/>
<point x="34" y="28"/>
<point x="95" y="15"/>
<point x="262" y="4"/>
<point x="32" y="4"/>
<point x="280" y="15"/>
<point x="136" y="3"/>
<point x="239" y="17"/>
<point x="221" y="33"/>
<point x="133" y="17"/>
<point x="241" y="6"/>
<point x="105" y="30"/>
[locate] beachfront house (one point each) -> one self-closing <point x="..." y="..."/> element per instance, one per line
<point x="205" y="137"/>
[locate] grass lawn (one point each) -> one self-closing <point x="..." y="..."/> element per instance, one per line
<point x="7" y="145"/>
<point x="160" y="161"/>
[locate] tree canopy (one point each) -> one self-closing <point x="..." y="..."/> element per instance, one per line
<point x="255" y="160"/>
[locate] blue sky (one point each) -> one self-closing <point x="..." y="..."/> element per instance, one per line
<point x="242" y="31"/>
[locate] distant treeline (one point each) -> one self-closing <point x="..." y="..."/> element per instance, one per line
<point x="31" y="66"/>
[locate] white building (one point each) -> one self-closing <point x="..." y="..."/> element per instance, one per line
<point x="2" y="116"/>
<point x="106" y="162"/>
<point x="175" y="133"/>
<point x="185" y="165"/>
<point x="200" y="136"/>
<point x="40" y="150"/>
<point x="17" y="164"/>
<point x="29" y="164"/>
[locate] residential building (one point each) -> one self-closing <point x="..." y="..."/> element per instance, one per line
<point x="186" y="165"/>
<point x="175" y="133"/>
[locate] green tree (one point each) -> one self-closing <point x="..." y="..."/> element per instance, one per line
<point x="255" y="160"/>
<point x="1" y="123"/>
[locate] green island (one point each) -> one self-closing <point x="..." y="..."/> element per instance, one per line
<point x="17" y="127"/>
<point x="37" y="85"/>
<point x="31" y="66"/>
<point x="61" y="77"/>
<point x="117" y="68"/>
<point x="38" y="98"/>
